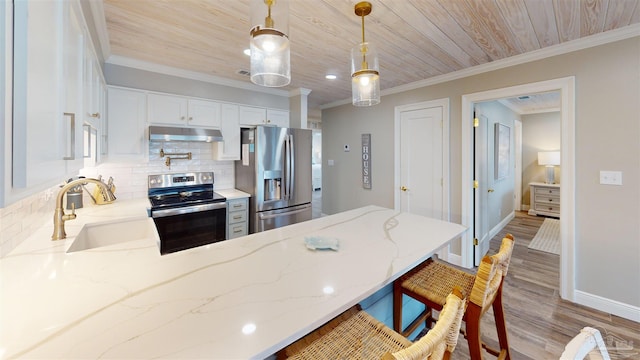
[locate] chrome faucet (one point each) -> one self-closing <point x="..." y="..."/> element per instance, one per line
<point x="59" y="217"/>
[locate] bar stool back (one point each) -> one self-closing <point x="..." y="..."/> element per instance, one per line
<point x="427" y="282"/>
<point x="357" y="335"/>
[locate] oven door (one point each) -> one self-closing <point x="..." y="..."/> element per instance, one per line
<point x="187" y="227"/>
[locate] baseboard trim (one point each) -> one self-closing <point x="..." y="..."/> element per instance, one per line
<point x="496" y="229"/>
<point x="613" y="307"/>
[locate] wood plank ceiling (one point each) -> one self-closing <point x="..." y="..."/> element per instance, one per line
<point x="416" y="39"/>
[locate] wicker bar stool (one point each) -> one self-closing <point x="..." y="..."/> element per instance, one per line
<point x="428" y="282"/>
<point x="357" y="335"/>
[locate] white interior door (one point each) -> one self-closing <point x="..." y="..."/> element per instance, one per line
<point x="421" y="164"/>
<point x="482" y="165"/>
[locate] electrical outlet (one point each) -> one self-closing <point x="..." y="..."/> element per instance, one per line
<point x="611" y="177"/>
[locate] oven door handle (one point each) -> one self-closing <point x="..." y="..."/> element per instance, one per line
<point x="187" y="209"/>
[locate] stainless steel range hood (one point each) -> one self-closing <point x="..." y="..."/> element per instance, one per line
<point x="168" y="133"/>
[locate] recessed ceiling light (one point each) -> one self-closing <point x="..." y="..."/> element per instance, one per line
<point x="247" y="52"/>
<point x="331" y="77"/>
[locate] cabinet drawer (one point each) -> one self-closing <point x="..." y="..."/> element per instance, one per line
<point x="237" y="205"/>
<point x="543" y="199"/>
<point x="547" y="191"/>
<point x="237" y="216"/>
<point x="237" y="230"/>
<point x="548" y="208"/>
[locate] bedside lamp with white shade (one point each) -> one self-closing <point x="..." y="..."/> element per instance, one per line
<point x="549" y="159"/>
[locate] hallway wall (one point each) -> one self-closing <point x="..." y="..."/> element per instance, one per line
<point x="540" y="132"/>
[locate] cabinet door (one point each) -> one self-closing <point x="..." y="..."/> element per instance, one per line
<point x="229" y="149"/>
<point x="204" y="113"/>
<point x="167" y="110"/>
<point x="48" y="73"/>
<point x="278" y="117"/>
<point x="127" y="113"/>
<point x="73" y="103"/>
<point x="252" y="115"/>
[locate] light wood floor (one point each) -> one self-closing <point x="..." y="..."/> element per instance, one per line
<point x="539" y="323"/>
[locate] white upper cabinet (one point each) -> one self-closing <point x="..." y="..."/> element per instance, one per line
<point x="229" y="149"/>
<point x="48" y="92"/>
<point x="182" y="111"/>
<point x="94" y="89"/>
<point x="204" y="113"/>
<point x="165" y="109"/>
<point x="278" y="117"/>
<point x="252" y="116"/>
<point x="94" y="117"/>
<point x="127" y="110"/>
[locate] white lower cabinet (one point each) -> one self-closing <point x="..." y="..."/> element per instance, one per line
<point x="545" y="199"/>
<point x="127" y="112"/>
<point x="237" y="217"/>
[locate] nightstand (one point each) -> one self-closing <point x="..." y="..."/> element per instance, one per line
<point x="545" y="199"/>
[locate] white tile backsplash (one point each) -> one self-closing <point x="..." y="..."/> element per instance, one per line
<point x="20" y="219"/>
<point x="131" y="178"/>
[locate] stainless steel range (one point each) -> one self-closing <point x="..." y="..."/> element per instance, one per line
<point x="186" y="210"/>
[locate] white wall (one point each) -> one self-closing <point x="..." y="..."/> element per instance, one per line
<point x="540" y="132"/>
<point x="606" y="138"/>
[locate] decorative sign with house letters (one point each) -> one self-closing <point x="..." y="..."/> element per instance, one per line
<point x="366" y="161"/>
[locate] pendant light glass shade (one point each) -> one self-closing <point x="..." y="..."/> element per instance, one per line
<point x="365" y="75"/>
<point x="365" y="71"/>
<point x="269" y="45"/>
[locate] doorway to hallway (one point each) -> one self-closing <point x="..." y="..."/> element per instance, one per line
<point x="566" y="87"/>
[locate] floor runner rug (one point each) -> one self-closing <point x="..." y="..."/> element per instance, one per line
<point x="547" y="238"/>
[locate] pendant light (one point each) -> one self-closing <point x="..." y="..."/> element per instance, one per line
<point x="365" y="72"/>
<point x="269" y="45"/>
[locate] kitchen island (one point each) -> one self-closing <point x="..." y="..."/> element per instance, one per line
<point x="238" y="299"/>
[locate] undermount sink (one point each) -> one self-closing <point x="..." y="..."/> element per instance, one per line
<point x="114" y="232"/>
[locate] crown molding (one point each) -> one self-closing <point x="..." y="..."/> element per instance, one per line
<point x="193" y="75"/>
<point x="559" y="49"/>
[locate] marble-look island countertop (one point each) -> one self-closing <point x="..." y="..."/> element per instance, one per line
<point x="238" y="299"/>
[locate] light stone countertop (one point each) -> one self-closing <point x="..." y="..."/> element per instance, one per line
<point x="237" y="299"/>
<point x="232" y="194"/>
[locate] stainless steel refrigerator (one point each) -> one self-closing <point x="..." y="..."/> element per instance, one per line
<point x="275" y="168"/>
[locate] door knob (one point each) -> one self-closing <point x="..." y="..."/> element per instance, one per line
<point x="490" y="190"/>
<point x="403" y="188"/>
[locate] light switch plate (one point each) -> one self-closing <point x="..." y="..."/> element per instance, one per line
<point x="330" y="162"/>
<point x="611" y="177"/>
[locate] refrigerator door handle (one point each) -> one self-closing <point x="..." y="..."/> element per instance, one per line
<point x="292" y="167"/>
<point x="287" y="167"/>
<point x="267" y="217"/>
